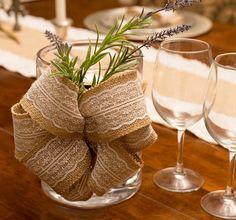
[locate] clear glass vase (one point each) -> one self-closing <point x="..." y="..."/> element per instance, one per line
<point x="119" y="193"/>
<point x="113" y="196"/>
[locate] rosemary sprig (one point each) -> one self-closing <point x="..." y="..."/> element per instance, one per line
<point x="121" y="61"/>
<point x="114" y="38"/>
<point x="125" y="58"/>
<point x="128" y="59"/>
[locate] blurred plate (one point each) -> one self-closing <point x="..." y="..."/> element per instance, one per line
<point x="157" y="21"/>
<point x="105" y="19"/>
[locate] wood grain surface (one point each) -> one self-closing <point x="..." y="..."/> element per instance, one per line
<point x="21" y="197"/>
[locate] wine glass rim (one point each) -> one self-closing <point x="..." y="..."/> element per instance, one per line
<point x="221" y="65"/>
<point x="185" y="40"/>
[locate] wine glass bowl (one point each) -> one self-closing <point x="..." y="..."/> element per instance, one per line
<point x="220" y="120"/>
<point x="178" y="93"/>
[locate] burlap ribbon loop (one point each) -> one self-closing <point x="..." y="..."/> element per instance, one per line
<point x="114" y="108"/>
<point x="52" y="103"/>
<point x="85" y="147"/>
<point x="60" y="162"/>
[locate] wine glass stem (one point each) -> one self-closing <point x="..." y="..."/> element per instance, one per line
<point x="179" y="166"/>
<point x="229" y="192"/>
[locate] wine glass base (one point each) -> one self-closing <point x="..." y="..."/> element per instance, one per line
<point x="168" y="179"/>
<point x="217" y="205"/>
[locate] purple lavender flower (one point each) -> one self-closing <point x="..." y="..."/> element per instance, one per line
<point x="160" y="36"/>
<point x="173" y="5"/>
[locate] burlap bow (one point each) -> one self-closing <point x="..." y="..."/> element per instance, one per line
<point x="82" y="147"/>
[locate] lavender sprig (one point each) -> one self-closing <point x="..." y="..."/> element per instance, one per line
<point x="53" y="38"/>
<point x="62" y="47"/>
<point x="160" y="36"/>
<point x="64" y="64"/>
<point x="173" y="6"/>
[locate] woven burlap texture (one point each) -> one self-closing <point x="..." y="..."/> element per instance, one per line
<point x="85" y="146"/>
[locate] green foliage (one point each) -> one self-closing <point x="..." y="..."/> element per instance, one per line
<point x="126" y="58"/>
<point x="65" y="65"/>
<point x="114" y="39"/>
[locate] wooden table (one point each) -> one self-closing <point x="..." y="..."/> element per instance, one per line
<point x="21" y="197"/>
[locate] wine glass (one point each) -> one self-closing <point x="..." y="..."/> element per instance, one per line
<point x="220" y="120"/>
<point x="178" y="93"/>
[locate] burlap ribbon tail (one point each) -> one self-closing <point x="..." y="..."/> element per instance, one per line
<point x="85" y="146"/>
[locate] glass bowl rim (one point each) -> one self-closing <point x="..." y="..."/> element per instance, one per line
<point x="72" y="42"/>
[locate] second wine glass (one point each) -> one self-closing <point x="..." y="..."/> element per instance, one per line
<point x="220" y="119"/>
<point x="178" y="92"/>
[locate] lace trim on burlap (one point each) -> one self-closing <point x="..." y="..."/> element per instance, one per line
<point x="51" y="126"/>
